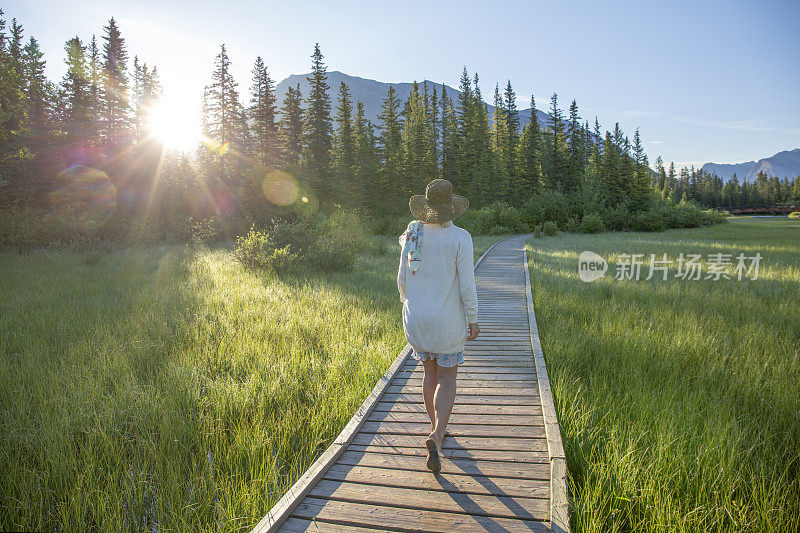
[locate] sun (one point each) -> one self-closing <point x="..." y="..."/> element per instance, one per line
<point x="175" y="124"/>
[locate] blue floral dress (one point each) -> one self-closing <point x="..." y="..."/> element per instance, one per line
<point x="447" y="360"/>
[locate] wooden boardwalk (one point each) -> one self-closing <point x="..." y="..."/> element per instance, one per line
<point x="503" y="467"/>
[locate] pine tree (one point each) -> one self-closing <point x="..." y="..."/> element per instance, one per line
<point x="436" y="126"/>
<point x="344" y="151"/>
<point x="512" y="119"/>
<point x="95" y="91"/>
<point x="419" y="165"/>
<point x="475" y="169"/>
<point x="390" y="172"/>
<point x="75" y="93"/>
<point x="262" y="115"/>
<point x="225" y="114"/>
<point x="529" y="159"/>
<point x="12" y="113"/>
<point x="318" y="128"/>
<point x="640" y="183"/>
<point x="146" y="91"/>
<point x="37" y="88"/>
<point x="449" y="130"/>
<point x="554" y="167"/>
<point x="291" y="125"/>
<point x="501" y="149"/>
<point x="500" y="130"/>
<point x="575" y="146"/>
<point x="366" y="169"/>
<point x="116" y="101"/>
<point x="39" y="102"/>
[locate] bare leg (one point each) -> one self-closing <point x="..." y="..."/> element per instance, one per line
<point x="429" y="383"/>
<point x="443" y="400"/>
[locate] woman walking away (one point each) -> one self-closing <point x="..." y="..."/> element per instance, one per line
<point x="436" y="281"/>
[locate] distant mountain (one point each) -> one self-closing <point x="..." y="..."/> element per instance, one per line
<point x="371" y="93"/>
<point x="784" y="164"/>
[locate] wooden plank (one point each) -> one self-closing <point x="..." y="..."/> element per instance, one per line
<point x="409" y="520"/>
<point x="296" y="525"/>
<point x="455" y="429"/>
<point x="477" y="391"/>
<point x="506" y="380"/>
<point x="458" y="418"/>
<point x="433" y="500"/>
<point x="463" y="399"/>
<point x="511" y="456"/>
<point x="421" y="478"/>
<point x="467" y="409"/>
<point x="283" y="509"/>
<point x="481" y="370"/>
<point x="405" y="440"/>
<point x="471" y="466"/>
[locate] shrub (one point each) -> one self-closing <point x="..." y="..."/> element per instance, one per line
<point x="347" y="228"/>
<point x="291" y="243"/>
<point x="495" y="219"/>
<point x="328" y="255"/>
<point x="256" y="250"/>
<point x="592" y="223"/>
<point x="200" y="232"/>
<point x="794" y="214"/>
<point x="650" y="220"/>
<point x="498" y="230"/>
<point x="299" y="234"/>
<point x="550" y="228"/>
<point x="572" y="225"/>
<point x="617" y="219"/>
<point x="537" y="231"/>
<point x="546" y="206"/>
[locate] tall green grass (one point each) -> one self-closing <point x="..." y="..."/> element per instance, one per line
<point x="155" y="388"/>
<point x="678" y="400"/>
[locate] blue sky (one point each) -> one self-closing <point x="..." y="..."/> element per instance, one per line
<point x="704" y="81"/>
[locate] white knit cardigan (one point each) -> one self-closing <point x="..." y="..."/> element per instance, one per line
<point x="441" y="298"/>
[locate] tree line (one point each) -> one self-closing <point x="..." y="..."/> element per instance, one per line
<point x="319" y="146"/>
<point x="710" y="190"/>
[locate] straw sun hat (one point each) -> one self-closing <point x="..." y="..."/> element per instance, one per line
<point x="439" y="204"/>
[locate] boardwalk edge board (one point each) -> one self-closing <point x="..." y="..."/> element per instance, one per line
<point x="287" y="504"/>
<point x="559" y="505"/>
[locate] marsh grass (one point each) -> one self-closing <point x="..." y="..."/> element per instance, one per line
<point x="678" y="400"/>
<point x="172" y="389"/>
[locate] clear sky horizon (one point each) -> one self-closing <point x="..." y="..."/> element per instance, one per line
<point x="704" y="81"/>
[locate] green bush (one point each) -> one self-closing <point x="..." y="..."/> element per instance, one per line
<point x="617" y="219"/>
<point x="200" y="232"/>
<point x="256" y="250"/>
<point x="328" y="255"/>
<point x="546" y="206"/>
<point x="794" y="214"/>
<point x="306" y="242"/>
<point x="495" y="219"/>
<point x="572" y="225"/>
<point x="592" y="223"/>
<point x="537" y="231"/>
<point x="550" y="228"/>
<point x="346" y="228"/>
<point x="651" y="220"/>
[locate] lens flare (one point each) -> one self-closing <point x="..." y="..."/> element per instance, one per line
<point x="84" y="193"/>
<point x="280" y="187"/>
<point x="175" y="124"/>
<point x="215" y="146"/>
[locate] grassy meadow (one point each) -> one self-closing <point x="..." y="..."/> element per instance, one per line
<point x="678" y="400"/>
<point x="160" y="388"/>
